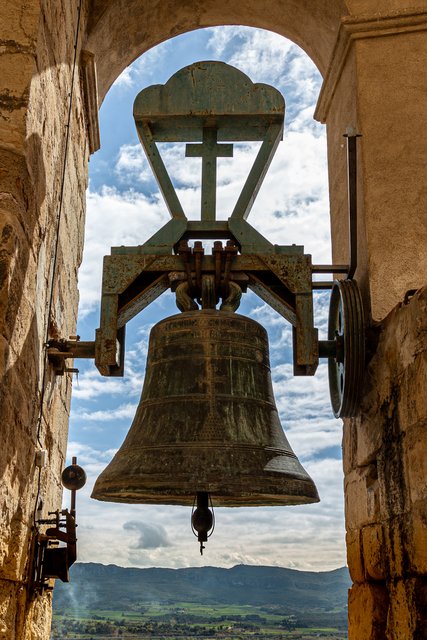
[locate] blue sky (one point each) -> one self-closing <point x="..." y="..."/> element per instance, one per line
<point x="125" y="207"/>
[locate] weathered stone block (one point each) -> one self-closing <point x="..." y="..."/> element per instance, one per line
<point x="13" y="62"/>
<point x="349" y="444"/>
<point x="399" y="625"/>
<point x="408" y="610"/>
<point x="415" y="458"/>
<point x="369" y="441"/>
<point x="367" y="612"/>
<point x="362" y="504"/>
<point x="9" y="605"/>
<point x="374" y="552"/>
<point x="38" y="618"/>
<point x="19" y="26"/>
<point x="413" y="406"/>
<point x="355" y="555"/>
<point x="417" y="548"/>
<point x="395" y="546"/>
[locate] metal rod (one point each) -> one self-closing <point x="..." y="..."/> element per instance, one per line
<point x="322" y="284"/>
<point x="352" y="201"/>
<point x="217" y="252"/>
<point x="81" y="349"/>
<point x="198" y="252"/>
<point x="327" y="348"/>
<point x="73" y="493"/>
<point x="330" y="268"/>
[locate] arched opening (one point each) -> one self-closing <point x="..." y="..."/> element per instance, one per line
<point x="369" y="83"/>
<point x="124" y="207"/>
<point x="118" y="36"/>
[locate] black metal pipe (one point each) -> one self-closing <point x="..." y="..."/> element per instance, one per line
<point x="322" y="284"/>
<point x="330" y="268"/>
<point x="352" y="201"/>
<point x="327" y="348"/>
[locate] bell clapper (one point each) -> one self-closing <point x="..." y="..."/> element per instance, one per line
<point x="202" y="518"/>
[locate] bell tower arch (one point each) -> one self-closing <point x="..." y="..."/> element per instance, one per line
<point x="374" y="74"/>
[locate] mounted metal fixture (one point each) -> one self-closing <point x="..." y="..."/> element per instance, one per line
<point x="49" y="560"/>
<point x="202" y="518"/>
<point x="207" y="423"/>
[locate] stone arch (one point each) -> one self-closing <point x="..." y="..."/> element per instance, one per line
<point x="372" y="59"/>
<point x="118" y="35"/>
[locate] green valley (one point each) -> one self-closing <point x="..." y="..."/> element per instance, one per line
<point x="211" y="603"/>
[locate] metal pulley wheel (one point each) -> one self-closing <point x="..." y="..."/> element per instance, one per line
<point x="346" y="328"/>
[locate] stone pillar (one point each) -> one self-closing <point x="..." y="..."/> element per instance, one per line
<point x="376" y="83"/>
<point x="37" y="49"/>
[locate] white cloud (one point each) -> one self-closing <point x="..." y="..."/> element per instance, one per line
<point x="90" y="385"/>
<point x="142" y="70"/>
<point x="269" y="58"/>
<point x="260" y="54"/>
<point x="125" y="79"/>
<point x="114" y="219"/>
<point x="132" y="165"/>
<point x="122" y="411"/>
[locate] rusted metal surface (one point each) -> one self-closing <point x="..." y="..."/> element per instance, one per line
<point x="59" y="351"/>
<point x="329" y="268"/>
<point x="48" y="560"/>
<point x="346" y="328"/>
<point x="202" y="518"/>
<point x="209" y="150"/>
<point x="352" y="201"/>
<point x="232" y="302"/>
<point x="305" y="337"/>
<point x="208" y="105"/>
<point x="184" y="301"/>
<point x="131" y="282"/>
<point x="283" y="305"/>
<point x="138" y="296"/>
<point x="208" y="293"/>
<point x="208" y="93"/>
<point x="207" y="421"/>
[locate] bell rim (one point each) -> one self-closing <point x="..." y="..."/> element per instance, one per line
<point x="273" y="489"/>
<point x="186" y="498"/>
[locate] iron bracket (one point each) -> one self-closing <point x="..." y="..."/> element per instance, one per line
<point x="131" y="281"/>
<point x="49" y="560"/>
<point x="59" y="351"/>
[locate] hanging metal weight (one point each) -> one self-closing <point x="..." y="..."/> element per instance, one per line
<point x="346" y="328"/>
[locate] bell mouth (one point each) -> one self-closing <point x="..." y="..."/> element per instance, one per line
<point x="233" y="475"/>
<point x="165" y="495"/>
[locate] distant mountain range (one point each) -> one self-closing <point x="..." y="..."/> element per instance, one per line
<point x="99" y="587"/>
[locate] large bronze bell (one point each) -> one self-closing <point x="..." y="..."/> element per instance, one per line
<point x="206" y="421"/>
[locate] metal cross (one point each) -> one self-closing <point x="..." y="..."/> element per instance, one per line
<point x="209" y="150"/>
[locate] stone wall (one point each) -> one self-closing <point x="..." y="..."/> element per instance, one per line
<point x="36" y="63"/>
<point x="373" y="84"/>
<point x="385" y="466"/>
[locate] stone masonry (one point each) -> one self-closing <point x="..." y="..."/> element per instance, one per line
<point x="36" y="53"/>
